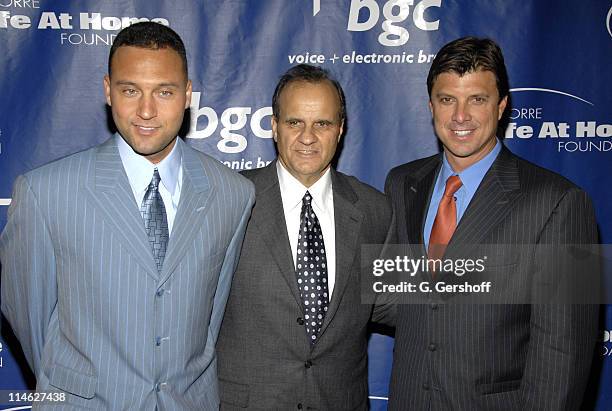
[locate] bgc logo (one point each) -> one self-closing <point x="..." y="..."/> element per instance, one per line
<point x="394" y="13"/>
<point x="232" y="120"/>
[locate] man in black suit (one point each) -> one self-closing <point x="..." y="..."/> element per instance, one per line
<point x="486" y="356"/>
<point x="294" y="334"/>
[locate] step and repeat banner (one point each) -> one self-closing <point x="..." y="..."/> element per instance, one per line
<point x="53" y="56"/>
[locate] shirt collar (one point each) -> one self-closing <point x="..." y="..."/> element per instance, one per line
<point x="472" y="176"/>
<point x="139" y="170"/>
<point x="292" y="190"/>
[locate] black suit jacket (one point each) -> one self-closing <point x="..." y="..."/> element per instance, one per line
<point x="266" y="361"/>
<point x="504" y="356"/>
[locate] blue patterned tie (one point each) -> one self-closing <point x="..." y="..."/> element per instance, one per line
<point x="156" y="224"/>
<point x="311" y="270"/>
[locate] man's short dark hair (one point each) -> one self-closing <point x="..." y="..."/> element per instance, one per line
<point x="469" y="54"/>
<point x="149" y="35"/>
<point x="310" y="74"/>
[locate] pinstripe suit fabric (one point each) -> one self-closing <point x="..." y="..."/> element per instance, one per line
<point x="266" y="361"/>
<point x="83" y="294"/>
<point x="494" y="357"/>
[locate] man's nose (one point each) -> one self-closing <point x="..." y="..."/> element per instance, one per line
<point x="308" y="136"/>
<point x="147" y="108"/>
<point x="461" y="112"/>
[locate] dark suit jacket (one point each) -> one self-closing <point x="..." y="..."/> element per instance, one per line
<point x="494" y="357"/>
<point x="265" y="358"/>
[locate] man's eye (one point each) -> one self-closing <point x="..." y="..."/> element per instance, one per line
<point x="166" y="93"/>
<point x="322" y="124"/>
<point x="293" y="123"/>
<point x="479" y="100"/>
<point x="446" y="100"/>
<point x="129" y="92"/>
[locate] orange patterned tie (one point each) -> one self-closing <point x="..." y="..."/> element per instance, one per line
<point x="446" y="219"/>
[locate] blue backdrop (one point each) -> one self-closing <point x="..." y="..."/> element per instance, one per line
<point x="53" y="56"/>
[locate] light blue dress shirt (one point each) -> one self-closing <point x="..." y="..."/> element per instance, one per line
<point x="139" y="172"/>
<point x="471" y="178"/>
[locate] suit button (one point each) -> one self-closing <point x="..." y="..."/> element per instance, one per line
<point x="160" y="292"/>
<point x="299" y="406"/>
<point x="432" y="347"/>
<point x="160" y="386"/>
<point x="433" y="306"/>
<point x="300" y="321"/>
<point x="426" y="386"/>
<point x="308" y="364"/>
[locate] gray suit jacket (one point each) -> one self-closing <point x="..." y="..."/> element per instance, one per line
<point x="95" y="318"/>
<point x="265" y="358"/>
<point x="494" y="357"/>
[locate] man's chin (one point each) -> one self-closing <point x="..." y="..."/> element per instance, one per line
<point x="145" y="151"/>
<point x="148" y="151"/>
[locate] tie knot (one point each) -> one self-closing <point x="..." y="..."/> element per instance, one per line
<point x="452" y="185"/>
<point x="156" y="179"/>
<point x="307" y="199"/>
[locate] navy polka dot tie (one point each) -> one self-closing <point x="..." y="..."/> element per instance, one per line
<point x="155" y="221"/>
<point x="311" y="270"/>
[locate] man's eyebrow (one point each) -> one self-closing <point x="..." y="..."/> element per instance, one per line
<point x="125" y="83"/>
<point x="168" y="85"/>
<point x="131" y="83"/>
<point x="328" y="120"/>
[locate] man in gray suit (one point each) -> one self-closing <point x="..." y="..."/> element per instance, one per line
<point x="117" y="261"/>
<point x="487" y="356"/>
<point x="294" y="334"/>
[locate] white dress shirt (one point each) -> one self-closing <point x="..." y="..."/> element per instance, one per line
<point x="139" y="171"/>
<point x="292" y="192"/>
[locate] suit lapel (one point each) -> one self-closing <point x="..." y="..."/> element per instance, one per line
<point x="417" y="195"/>
<point x="110" y="192"/>
<point x="196" y="197"/>
<point x="347" y="222"/>
<point x="493" y="200"/>
<point x="269" y="218"/>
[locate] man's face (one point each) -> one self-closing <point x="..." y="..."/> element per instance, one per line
<point x="148" y="94"/>
<point x="308" y="129"/>
<point x="466" y="110"/>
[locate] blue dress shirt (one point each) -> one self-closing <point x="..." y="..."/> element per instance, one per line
<point x="471" y="178"/>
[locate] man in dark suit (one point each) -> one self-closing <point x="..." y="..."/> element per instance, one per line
<point x="478" y="356"/>
<point x="294" y="335"/>
<point x="117" y="261"/>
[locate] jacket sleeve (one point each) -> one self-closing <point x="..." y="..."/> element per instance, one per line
<point x="222" y="292"/>
<point x="562" y="336"/>
<point x="385" y="304"/>
<point x="29" y="287"/>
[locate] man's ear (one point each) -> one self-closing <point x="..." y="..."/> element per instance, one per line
<point x="501" y="107"/>
<point x="274" y="123"/>
<point x="107" y="90"/>
<point x="188" y="95"/>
